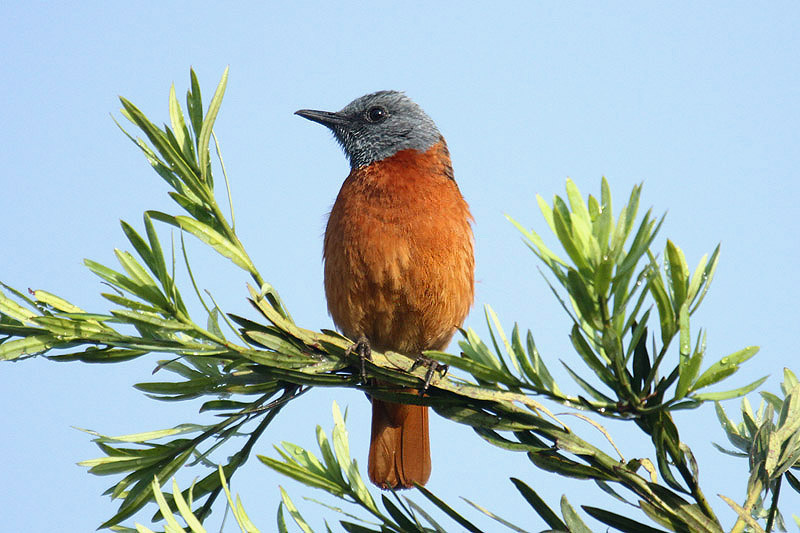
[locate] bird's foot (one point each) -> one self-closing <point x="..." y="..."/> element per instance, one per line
<point x="434" y="367"/>
<point x="364" y="351"/>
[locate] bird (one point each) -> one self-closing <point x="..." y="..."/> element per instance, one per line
<point x="398" y="255"/>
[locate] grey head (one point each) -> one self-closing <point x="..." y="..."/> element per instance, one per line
<point x="378" y="125"/>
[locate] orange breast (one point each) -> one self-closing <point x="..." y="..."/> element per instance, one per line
<point x="399" y="264"/>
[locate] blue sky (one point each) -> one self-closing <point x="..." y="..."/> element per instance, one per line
<point x="697" y="101"/>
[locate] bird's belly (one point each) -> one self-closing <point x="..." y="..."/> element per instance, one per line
<point x="401" y="296"/>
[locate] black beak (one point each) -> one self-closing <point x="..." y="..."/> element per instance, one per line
<point x="326" y="118"/>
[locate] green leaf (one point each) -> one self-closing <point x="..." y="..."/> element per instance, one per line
<point x="772" y="399"/>
<point x="194" y="104"/>
<point x="640" y="246"/>
<point x="574" y="522"/>
<point x="641" y="359"/>
<point x="449" y="511"/>
<point x="31" y="345"/>
<point x="185" y="510"/>
<point x="547" y="212"/>
<point x="331" y="463"/>
<point x="398" y="516"/>
<point x="302" y="475"/>
<point x="698" y="278"/>
<point x="142" y="492"/>
<point x="182" y="135"/>
<point x="143" y="317"/>
<point x="86" y="327"/>
<point x="733" y="393"/>
<point x="477" y="351"/>
<point x="605" y="219"/>
<point x="196" y="208"/>
<point x="793" y="481"/>
<point x="175" y="160"/>
<point x="273" y="341"/>
<point x="501" y="442"/>
<point x="493" y="320"/>
<point x="476" y="369"/>
<point x="477" y="418"/>
<point x="731" y="430"/>
<point x="689" y="366"/>
<point x="56" y="302"/>
<point x="495" y="517"/>
<point x="11" y="308"/>
<point x="664" y="439"/>
<point x="663" y="517"/>
<point x="594" y="208"/>
<point x="419" y="510"/>
<point x="539" y="367"/>
<point x="341" y="446"/>
<point x="603" y="275"/>
<point x="93" y="354"/>
<point x="217" y="241"/>
<point x="576" y="202"/>
<point x="147" y="285"/>
<point x="302" y="457"/>
<point x="140" y="246"/>
<point x="350" y="527"/>
<point x="685" y="346"/>
<point x="582" y="298"/>
<point x="625" y="222"/>
<point x="209" y="236"/>
<point x="208" y="123"/>
<point x="724" y="367"/>
<point x="678" y="273"/>
<point x="585" y="385"/>
<point x="590" y="358"/>
<point x="123" y="282"/>
<point x="789" y="418"/>
<point x="666" y="313"/>
<point x="537" y="245"/>
<point x="705" y="276"/>
<point x="160" y="265"/>
<point x="581" y="222"/>
<point x="564" y="232"/>
<point x="619" y="522"/>
<point x="554" y="462"/>
<point x="192" y="387"/>
<point x="134" y="305"/>
<point x="547" y="514"/>
<point x="789" y="381"/>
<point x="136" y="438"/>
<point x="298" y="518"/>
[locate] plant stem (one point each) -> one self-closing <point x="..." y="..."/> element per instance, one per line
<point x="753" y="492"/>
<point x="679" y="461"/>
<point x="773" y="509"/>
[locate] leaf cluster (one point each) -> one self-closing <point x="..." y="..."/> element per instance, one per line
<point x="614" y="288"/>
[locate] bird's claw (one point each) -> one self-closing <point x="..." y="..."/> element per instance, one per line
<point x="433" y="368"/>
<point x="364" y="351"/>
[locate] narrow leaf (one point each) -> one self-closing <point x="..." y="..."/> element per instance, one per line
<point x="727" y="395"/>
<point x="678" y="273"/>
<point x="724" y="367"/>
<point x="619" y="522"/>
<point x="208" y="124"/>
<point x="449" y="511"/>
<point x="547" y="514"/>
<point x="574" y="522"/>
<point x="34" y="344"/>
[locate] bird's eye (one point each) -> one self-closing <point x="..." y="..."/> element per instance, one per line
<point x="377" y="114"/>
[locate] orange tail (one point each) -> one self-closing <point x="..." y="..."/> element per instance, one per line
<point x="399" y="450"/>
